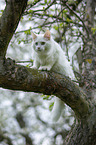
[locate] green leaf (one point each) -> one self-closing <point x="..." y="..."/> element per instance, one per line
<point x="30" y="11"/>
<point x="69" y="20"/>
<point x="49" y="1"/>
<point x="55" y="27"/>
<point x="31" y="60"/>
<point x="2" y="11"/>
<point x="52" y="10"/>
<point x="28" y="65"/>
<point x="28" y="32"/>
<point x="51" y="106"/>
<point x="45" y="97"/>
<point x="61" y="25"/>
<point x="50" y="15"/>
<point x="89" y="60"/>
<point x="45" y="1"/>
<point x="65" y="11"/>
<point x="19" y="41"/>
<point x="93" y="30"/>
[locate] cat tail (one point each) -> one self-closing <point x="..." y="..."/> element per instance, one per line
<point x="57" y="109"/>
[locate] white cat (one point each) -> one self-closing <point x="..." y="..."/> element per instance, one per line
<point x="48" y="55"/>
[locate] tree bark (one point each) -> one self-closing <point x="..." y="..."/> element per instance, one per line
<point x="9" y="22"/>
<point x="16" y="77"/>
<point x="84" y="132"/>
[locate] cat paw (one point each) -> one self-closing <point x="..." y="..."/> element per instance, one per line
<point x="44" y="68"/>
<point x="34" y="67"/>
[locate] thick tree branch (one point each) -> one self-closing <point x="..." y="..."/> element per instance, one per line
<point x="18" y="77"/>
<point x="9" y="21"/>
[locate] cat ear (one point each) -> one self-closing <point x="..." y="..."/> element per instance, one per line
<point x="34" y="36"/>
<point x="47" y="35"/>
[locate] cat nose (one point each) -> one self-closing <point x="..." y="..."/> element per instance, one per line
<point x="38" y="48"/>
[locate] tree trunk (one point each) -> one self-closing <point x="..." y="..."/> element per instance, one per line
<point x="84" y="131"/>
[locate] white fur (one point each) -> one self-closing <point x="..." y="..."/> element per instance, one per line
<point x="51" y="57"/>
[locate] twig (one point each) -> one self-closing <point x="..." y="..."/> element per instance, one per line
<point x="33" y="4"/>
<point x="24" y="61"/>
<point x="77" y="17"/>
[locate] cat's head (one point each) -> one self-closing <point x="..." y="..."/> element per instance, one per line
<point x="41" y="43"/>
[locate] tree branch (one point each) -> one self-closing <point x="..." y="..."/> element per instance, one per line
<point x="9" y="21"/>
<point x="75" y="14"/>
<point x="17" y="77"/>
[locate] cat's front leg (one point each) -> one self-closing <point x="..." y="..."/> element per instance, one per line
<point x="48" y="67"/>
<point x="35" y="65"/>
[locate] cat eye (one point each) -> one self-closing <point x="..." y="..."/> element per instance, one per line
<point x="36" y="43"/>
<point x="42" y="43"/>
